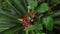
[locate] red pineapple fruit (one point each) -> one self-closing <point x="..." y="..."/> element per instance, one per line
<point x="27" y="20"/>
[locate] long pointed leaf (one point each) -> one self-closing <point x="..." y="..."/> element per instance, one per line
<point x="20" y="6"/>
<point x="12" y="31"/>
<point x="7" y="14"/>
<point x="55" y="14"/>
<point x="5" y="25"/>
<point x="13" y="7"/>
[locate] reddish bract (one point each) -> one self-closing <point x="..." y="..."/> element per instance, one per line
<point x="27" y="22"/>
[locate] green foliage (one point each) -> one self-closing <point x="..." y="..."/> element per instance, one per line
<point x="19" y="5"/>
<point x="43" y="8"/>
<point x="34" y="27"/>
<point x="32" y="4"/>
<point x="12" y="31"/>
<point x="55" y="14"/>
<point x="54" y="1"/>
<point x="48" y="22"/>
<point x="7" y="14"/>
<point x="11" y="12"/>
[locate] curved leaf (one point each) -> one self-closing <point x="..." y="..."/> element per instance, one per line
<point x="42" y="8"/>
<point x="32" y="4"/>
<point x="48" y="22"/>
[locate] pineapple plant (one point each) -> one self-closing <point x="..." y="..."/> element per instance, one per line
<point x="29" y="16"/>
